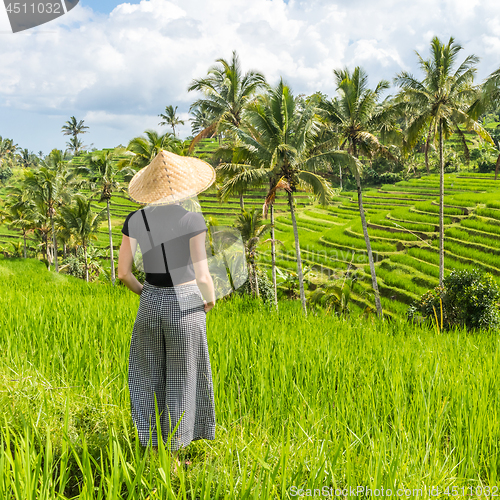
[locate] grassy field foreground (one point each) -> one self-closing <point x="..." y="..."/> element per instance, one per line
<point x="300" y="403"/>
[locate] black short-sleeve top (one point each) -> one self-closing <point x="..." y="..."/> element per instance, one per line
<point x="163" y="233"/>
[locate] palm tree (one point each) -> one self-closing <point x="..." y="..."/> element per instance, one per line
<point x="170" y="118"/>
<point x="227" y="92"/>
<point x="102" y="172"/>
<point x="235" y="173"/>
<point x="55" y="160"/>
<point x="277" y="134"/>
<point x="27" y="158"/>
<point x="19" y="212"/>
<point x="489" y="100"/>
<point x="141" y="150"/>
<point x="236" y="176"/>
<point x="75" y="145"/>
<point x="357" y="115"/>
<point x="74" y="128"/>
<point x="83" y="222"/>
<point x="252" y="228"/>
<point x="439" y="104"/>
<point x="269" y="206"/>
<point x="49" y="189"/>
<point x="7" y="149"/>
<point x="201" y="120"/>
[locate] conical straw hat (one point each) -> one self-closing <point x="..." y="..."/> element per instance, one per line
<point x="170" y="178"/>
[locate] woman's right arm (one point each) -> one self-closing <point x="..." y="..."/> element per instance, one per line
<point x="202" y="274"/>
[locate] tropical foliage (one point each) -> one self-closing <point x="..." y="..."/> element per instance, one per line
<point x="226" y="93"/>
<point x="170" y="118"/>
<point x="285" y="144"/>
<point x="74" y="128"/>
<point x="439" y="104"/>
<point x="252" y="229"/>
<point x="467" y="299"/>
<point x="142" y="149"/>
<point x="288" y="154"/>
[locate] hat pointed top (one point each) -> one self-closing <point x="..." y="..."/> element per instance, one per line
<point x="170" y="178"/>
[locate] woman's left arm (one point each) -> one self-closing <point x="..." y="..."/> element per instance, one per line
<point x="125" y="259"/>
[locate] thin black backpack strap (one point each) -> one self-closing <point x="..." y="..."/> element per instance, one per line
<point x="151" y="240"/>
<point x="147" y="228"/>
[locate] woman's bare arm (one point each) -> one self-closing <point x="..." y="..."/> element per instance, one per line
<point x="125" y="259"/>
<point x="202" y="274"/>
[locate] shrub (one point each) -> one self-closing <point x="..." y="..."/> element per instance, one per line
<point x="75" y="265"/>
<point x="265" y="287"/>
<point x="384" y="165"/>
<point x="5" y="174"/>
<point x="485" y="167"/>
<point x="371" y="176"/>
<point x="469" y="299"/>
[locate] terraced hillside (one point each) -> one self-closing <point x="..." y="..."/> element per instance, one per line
<point x="403" y="227"/>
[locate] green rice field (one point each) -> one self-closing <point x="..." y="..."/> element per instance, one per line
<point x="301" y="403"/>
<point x="403" y="224"/>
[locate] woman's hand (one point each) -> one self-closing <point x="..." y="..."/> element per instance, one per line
<point x="208" y="305"/>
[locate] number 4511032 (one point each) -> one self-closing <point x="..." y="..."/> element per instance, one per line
<point x="34" y="8"/>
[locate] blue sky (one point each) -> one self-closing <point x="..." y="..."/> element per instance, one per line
<point x="117" y="65"/>
<point x="104" y="6"/>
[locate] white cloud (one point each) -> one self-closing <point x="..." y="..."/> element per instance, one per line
<point x="119" y="71"/>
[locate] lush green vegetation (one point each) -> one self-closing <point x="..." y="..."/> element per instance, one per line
<point x="330" y="234"/>
<point x="329" y="400"/>
<point x="362" y="404"/>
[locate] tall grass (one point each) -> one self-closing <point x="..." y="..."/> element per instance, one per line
<point x="398" y="278"/>
<point x="407" y="215"/>
<point x="429" y="207"/>
<point x="480" y="225"/>
<point x="459" y="234"/>
<point x="321" y="215"/>
<point x="493" y="203"/>
<point x="490" y="257"/>
<point x="412" y="226"/>
<point x="344" y="240"/>
<point x="379" y="233"/>
<point x="432" y="256"/>
<point x="302" y="403"/>
<point x="420" y="266"/>
<point x="489" y="212"/>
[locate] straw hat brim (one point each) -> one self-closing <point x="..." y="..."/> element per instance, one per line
<point x="170" y="178"/>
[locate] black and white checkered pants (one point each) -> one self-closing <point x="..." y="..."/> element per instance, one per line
<point x="169" y="360"/>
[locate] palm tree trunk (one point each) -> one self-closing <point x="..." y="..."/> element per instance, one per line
<point x="297" y="251"/>
<point x="54" y="238"/>
<point x="256" y="279"/>
<point x="86" y="265"/>
<point x="497" y="167"/>
<point x="50" y="252"/>
<point x="273" y="259"/>
<point x="46" y="241"/>
<point x="242" y="204"/>
<point x="441" y="205"/>
<point x="251" y="277"/>
<point x="24" y="237"/>
<point x="426" y="149"/>
<point x="111" y="246"/>
<point x="340" y="175"/>
<point x="378" y="305"/>
<point x="228" y="271"/>
<point x="64" y="251"/>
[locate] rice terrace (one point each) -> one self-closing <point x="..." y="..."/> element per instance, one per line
<point x="361" y="369"/>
